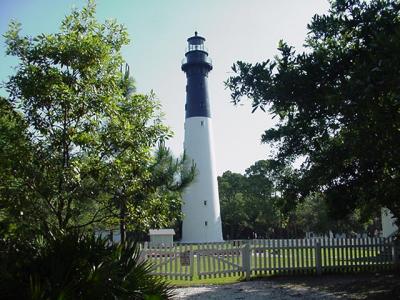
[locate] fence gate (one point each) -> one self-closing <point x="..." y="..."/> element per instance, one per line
<point x="219" y="259"/>
<point x="174" y="262"/>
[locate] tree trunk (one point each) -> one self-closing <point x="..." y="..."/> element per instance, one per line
<point x="122" y="222"/>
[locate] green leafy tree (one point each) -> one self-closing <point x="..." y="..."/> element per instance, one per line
<point x="232" y="189"/>
<point x="169" y="177"/>
<point x="312" y="215"/>
<point x="261" y="204"/>
<point x="145" y="189"/>
<point x="91" y="139"/>
<point x="262" y="189"/>
<point x="15" y="170"/>
<point x="249" y="205"/>
<point x="337" y="104"/>
<point x="155" y="198"/>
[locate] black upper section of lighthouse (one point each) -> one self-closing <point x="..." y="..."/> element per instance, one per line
<point x="196" y="65"/>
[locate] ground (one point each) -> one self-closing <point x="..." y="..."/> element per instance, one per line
<point x="351" y="286"/>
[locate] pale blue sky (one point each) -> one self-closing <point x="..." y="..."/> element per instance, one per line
<point x="234" y="30"/>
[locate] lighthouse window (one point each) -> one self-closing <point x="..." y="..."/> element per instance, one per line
<point x="205" y="202"/>
<point x="205" y="223"/>
<point x="202" y="123"/>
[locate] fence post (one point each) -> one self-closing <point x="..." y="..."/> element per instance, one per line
<point x="246" y="256"/>
<point x="191" y="258"/>
<point x="318" y="260"/>
<point x="395" y="253"/>
<point x="143" y="252"/>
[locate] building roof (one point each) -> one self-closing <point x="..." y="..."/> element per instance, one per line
<point x="161" y="232"/>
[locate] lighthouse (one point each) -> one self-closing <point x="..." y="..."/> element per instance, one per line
<point x="202" y="219"/>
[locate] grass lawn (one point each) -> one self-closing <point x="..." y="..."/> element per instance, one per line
<point x="208" y="281"/>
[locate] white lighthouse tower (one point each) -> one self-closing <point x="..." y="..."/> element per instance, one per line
<point x="202" y="219"/>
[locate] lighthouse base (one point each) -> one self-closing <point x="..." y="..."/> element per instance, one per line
<point x="202" y="219"/>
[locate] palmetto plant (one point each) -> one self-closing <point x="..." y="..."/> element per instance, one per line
<point x="76" y="266"/>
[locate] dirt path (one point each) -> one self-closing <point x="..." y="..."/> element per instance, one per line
<point x="357" y="286"/>
<point x="253" y="290"/>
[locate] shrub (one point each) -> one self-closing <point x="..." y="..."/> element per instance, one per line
<point x="76" y="266"/>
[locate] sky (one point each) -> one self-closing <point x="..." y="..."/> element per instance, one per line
<point x="246" y="30"/>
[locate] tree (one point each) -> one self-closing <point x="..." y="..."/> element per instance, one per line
<point x="262" y="188"/>
<point x="169" y="178"/>
<point x="15" y="166"/>
<point x="261" y="204"/>
<point x="155" y="198"/>
<point x="337" y="104"/>
<point x="249" y="204"/>
<point x="312" y="215"/>
<point x="232" y="195"/>
<point x="90" y="138"/>
<point x="146" y="194"/>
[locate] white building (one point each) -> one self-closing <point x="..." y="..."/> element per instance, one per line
<point x="161" y="237"/>
<point x="388" y="223"/>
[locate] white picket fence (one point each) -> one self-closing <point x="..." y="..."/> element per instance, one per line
<point x="268" y="257"/>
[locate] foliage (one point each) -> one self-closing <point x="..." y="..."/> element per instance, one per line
<point x="157" y="204"/>
<point x="15" y="170"/>
<point x="338" y="105"/>
<point x="248" y="202"/>
<point x="234" y="217"/>
<point x="89" y="135"/>
<point x="312" y="215"/>
<point x="76" y="266"/>
<point x="260" y="204"/>
<point x="169" y="177"/>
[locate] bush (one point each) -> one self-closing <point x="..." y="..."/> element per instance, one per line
<point x="76" y="266"/>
